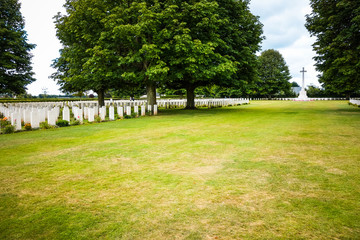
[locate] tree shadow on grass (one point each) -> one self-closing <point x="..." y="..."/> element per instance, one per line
<point x="287" y="110"/>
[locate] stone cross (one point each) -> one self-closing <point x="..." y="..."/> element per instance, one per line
<point x="303" y="77"/>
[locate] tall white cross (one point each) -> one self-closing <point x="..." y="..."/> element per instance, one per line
<point x="303" y="77"/>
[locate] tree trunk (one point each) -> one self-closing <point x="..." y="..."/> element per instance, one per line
<point x="190" y="97"/>
<point x="151" y="93"/>
<point x="347" y="96"/>
<point x="101" y="98"/>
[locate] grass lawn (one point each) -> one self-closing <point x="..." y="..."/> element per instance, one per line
<point x="268" y="170"/>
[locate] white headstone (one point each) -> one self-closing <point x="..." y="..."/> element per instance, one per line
<point x="79" y="115"/>
<point x="27" y="116"/>
<point x="155" y="110"/>
<point x="51" y="117"/>
<point x="136" y="110"/>
<point x="35" y="119"/>
<point x="86" y="112"/>
<point x="120" y="111"/>
<point x="111" y="113"/>
<point x="66" y="113"/>
<point x="17" y="121"/>
<point x="91" y="114"/>
<point x="103" y="113"/>
<point x="143" y="110"/>
<point x="128" y="110"/>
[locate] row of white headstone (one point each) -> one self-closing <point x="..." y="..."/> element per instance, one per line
<point x="30" y="115"/>
<point x="89" y="113"/>
<point x="37" y="112"/>
<point x="35" y="115"/>
<point x="355" y="101"/>
<point x="216" y="102"/>
<point x="166" y="103"/>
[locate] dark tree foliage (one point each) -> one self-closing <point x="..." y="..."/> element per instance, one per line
<point x="146" y="44"/>
<point x="110" y="45"/>
<point x="295" y="84"/>
<point x="213" y="42"/>
<point x="274" y="75"/>
<point x="15" y="58"/>
<point x="336" y="26"/>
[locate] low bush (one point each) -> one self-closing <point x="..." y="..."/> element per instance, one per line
<point x="127" y="116"/>
<point x="75" y="122"/>
<point x="4" y="122"/>
<point x="45" y="125"/>
<point x="98" y="119"/>
<point x="9" y="129"/>
<point x="27" y="126"/>
<point x="62" y="123"/>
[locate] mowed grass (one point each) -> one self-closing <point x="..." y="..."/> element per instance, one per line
<point x="268" y="170"/>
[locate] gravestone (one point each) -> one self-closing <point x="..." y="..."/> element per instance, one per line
<point x="86" y="112"/>
<point x="111" y="113"/>
<point x="128" y="110"/>
<point x="136" y="110"/>
<point x="103" y="113"/>
<point x="143" y="110"/>
<point x="35" y="119"/>
<point x="155" y="110"/>
<point x="27" y="114"/>
<point x="17" y="120"/>
<point x="91" y="114"/>
<point x="66" y="113"/>
<point x="51" y="118"/>
<point x="120" y="111"/>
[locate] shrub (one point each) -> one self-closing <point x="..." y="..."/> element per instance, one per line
<point x="134" y="115"/>
<point x="4" y="122"/>
<point x="45" y="125"/>
<point x="98" y="119"/>
<point x="9" y="129"/>
<point x="127" y="116"/>
<point x="75" y="122"/>
<point x="62" y="123"/>
<point x="27" y="126"/>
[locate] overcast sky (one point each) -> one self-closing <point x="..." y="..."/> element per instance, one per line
<point x="283" y="22"/>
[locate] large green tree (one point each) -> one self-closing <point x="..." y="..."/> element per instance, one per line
<point x="82" y="64"/>
<point x="213" y="42"/>
<point x="15" y="58"/>
<point x="110" y="45"/>
<point x="274" y="74"/>
<point x="150" y="43"/>
<point x="336" y="26"/>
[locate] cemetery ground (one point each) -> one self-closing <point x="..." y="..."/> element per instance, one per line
<point x="268" y="170"/>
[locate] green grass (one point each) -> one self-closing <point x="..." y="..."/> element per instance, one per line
<point x="268" y="170"/>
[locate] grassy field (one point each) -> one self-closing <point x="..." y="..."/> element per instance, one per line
<point x="268" y="170"/>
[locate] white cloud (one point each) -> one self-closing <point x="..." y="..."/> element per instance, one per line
<point x="284" y="30"/>
<point x="41" y="31"/>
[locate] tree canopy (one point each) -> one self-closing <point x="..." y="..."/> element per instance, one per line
<point x="146" y="44"/>
<point x="274" y="74"/>
<point x="336" y="26"/>
<point x="15" y="58"/>
<point x="214" y="42"/>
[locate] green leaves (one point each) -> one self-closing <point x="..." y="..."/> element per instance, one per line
<point x="336" y="26"/>
<point x="174" y="44"/>
<point x="274" y="74"/>
<point x="15" y="58"/>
